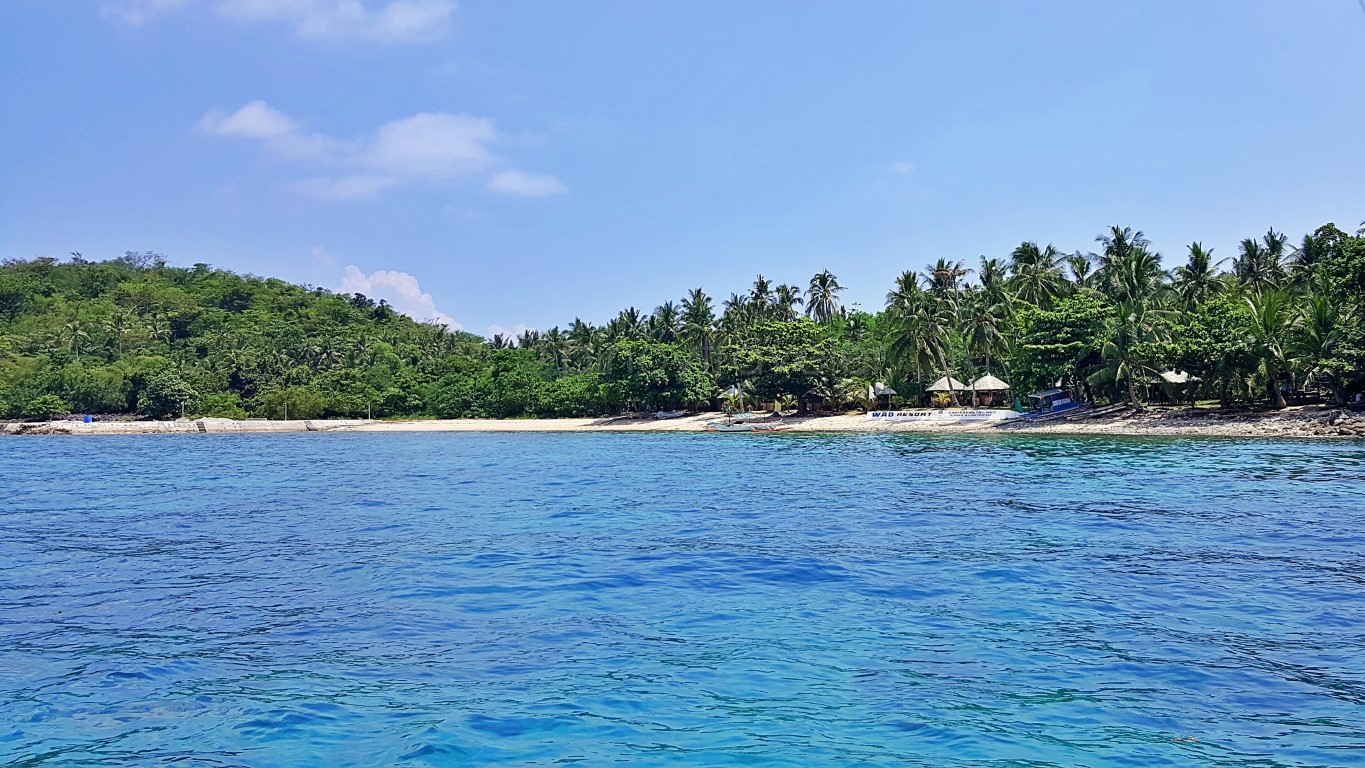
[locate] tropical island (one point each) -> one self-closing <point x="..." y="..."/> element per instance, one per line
<point x="132" y="337"/>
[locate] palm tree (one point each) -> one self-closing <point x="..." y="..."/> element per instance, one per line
<point x="978" y="324"/>
<point x="666" y="323"/>
<point x="822" y="297"/>
<point x="1129" y="271"/>
<point x="851" y="390"/>
<point x="1081" y="266"/>
<point x="1260" y="266"/>
<point x="906" y="292"/>
<point x="923" y="336"/>
<point x="919" y="338"/>
<point x="117" y="327"/>
<point x="1308" y="255"/>
<point x="1136" y="324"/>
<point x="1270" y="328"/>
<point x="993" y="276"/>
<point x="761" y="296"/>
<point x="732" y="403"/>
<point x="785" y="301"/>
<point x="554" y="348"/>
<point x="945" y="275"/>
<point x="75" y="334"/>
<point x="698" y="323"/>
<point x="1037" y="273"/>
<point x="738" y="313"/>
<point x="580" y="343"/>
<point x="628" y="325"/>
<point x="855" y="323"/>
<point x="1198" y="279"/>
<point x="1320" y="338"/>
<point x="599" y="349"/>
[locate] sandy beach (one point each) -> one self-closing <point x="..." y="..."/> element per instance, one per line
<point x="1300" y="422"/>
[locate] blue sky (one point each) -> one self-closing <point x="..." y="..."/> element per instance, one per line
<point x="504" y="164"/>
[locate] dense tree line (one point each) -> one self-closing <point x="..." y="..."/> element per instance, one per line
<point x="133" y="335"/>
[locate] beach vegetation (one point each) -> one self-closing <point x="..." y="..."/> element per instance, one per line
<point x="134" y="335"/>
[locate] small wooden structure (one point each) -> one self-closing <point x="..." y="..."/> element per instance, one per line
<point x="1175" y="386"/>
<point x="882" y="394"/>
<point x="950" y="385"/>
<point x="991" y="392"/>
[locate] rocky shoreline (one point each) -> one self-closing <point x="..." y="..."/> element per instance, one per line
<point x="1297" y="422"/>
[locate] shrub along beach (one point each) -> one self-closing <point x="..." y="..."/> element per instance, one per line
<point x="133" y="337"/>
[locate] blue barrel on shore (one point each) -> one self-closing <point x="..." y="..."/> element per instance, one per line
<point x="89" y="418"/>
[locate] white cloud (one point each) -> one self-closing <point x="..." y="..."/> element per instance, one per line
<point x="401" y="290"/>
<point x="509" y="334"/>
<point x="521" y="184"/>
<point x="901" y="168"/>
<point x="344" y="187"/>
<point x="437" y="145"/>
<point x="259" y="121"/>
<point x="395" y="21"/>
<point x="255" y="120"/>
<point x="426" y="147"/>
<point x="139" y="12"/>
<point x="322" y="257"/>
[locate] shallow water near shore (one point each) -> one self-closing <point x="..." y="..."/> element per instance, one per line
<point x="681" y="599"/>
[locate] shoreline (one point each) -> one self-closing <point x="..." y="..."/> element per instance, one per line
<point x="1297" y="422"/>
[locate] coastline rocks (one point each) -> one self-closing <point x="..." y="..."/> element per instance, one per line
<point x="27" y="428"/>
<point x="184" y="427"/>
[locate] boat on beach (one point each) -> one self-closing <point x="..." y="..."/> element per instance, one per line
<point x="745" y="422"/>
<point x="717" y="426"/>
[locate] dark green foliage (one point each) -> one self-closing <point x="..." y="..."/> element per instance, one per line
<point x="1211" y="343"/>
<point x="15" y="290"/>
<point x="290" y="403"/>
<point x="584" y="394"/>
<point x="1342" y="269"/>
<point x="135" y="336"/>
<point x="1058" y="344"/>
<point x="654" y="375"/>
<point x="43" y="407"/>
<point x="166" y="394"/>
<point x="785" y="358"/>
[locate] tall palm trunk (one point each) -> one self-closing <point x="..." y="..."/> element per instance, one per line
<point x="1272" y="386"/>
<point x="971" y="371"/>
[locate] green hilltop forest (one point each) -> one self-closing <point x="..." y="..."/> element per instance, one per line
<point x="133" y="335"/>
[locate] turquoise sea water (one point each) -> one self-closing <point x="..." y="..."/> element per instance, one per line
<point x="680" y="599"/>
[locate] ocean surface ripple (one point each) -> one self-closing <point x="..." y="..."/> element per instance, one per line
<point x="677" y="599"/>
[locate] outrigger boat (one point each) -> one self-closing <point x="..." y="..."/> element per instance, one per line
<point x="734" y="424"/>
<point x="718" y="427"/>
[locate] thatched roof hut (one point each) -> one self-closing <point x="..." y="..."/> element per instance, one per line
<point x="945" y="384"/>
<point x="989" y="383"/>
